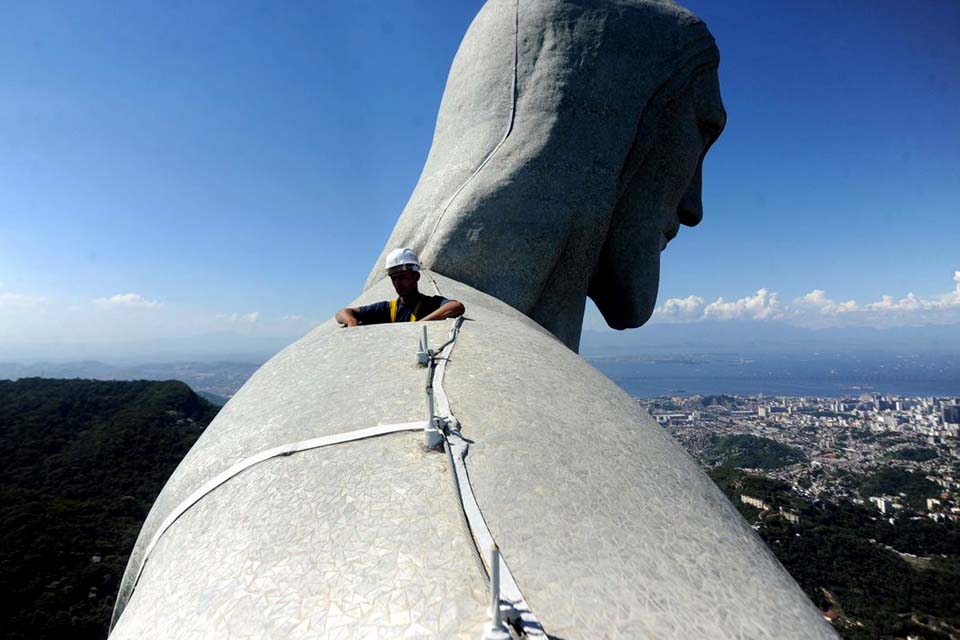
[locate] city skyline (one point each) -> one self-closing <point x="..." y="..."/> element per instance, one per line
<point x="173" y="173"/>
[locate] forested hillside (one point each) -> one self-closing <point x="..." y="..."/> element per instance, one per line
<point x="875" y="579"/>
<point x="751" y="452"/>
<point x="81" y="462"/>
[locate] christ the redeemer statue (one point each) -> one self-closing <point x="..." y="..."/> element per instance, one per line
<point x="567" y="153"/>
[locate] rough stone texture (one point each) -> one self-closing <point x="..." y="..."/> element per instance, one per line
<point x="610" y="529"/>
<point x="308" y="390"/>
<point x="352" y="541"/>
<point x="567" y="152"/>
<point x="638" y="541"/>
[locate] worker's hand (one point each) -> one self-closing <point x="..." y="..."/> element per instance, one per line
<point x="346" y="317"/>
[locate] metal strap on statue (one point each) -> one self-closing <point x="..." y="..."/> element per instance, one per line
<point x="513" y="605"/>
<point x="246" y="463"/>
<point x="513" y="608"/>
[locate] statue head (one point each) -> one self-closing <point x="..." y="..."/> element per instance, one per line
<point x="567" y="153"/>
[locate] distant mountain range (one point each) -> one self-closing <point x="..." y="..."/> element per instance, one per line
<point x="208" y="347"/>
<point x="704" y="357"/>
<point x="754" y="336"/>
<point x="740" y="335"/>
<point x="217" y="381"/>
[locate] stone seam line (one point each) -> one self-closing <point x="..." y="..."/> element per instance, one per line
<point x="506" y="133"/>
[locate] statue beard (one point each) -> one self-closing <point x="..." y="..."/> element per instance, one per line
<point x="626" y="279"/>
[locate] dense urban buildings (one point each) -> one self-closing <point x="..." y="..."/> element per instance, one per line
<point x="828" y="445"/>
<point x="857" y="497"/>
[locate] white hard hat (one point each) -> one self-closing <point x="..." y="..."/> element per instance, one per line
<point x="402" y="260"/>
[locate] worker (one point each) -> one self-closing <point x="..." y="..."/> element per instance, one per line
<point x="403" y="267"/>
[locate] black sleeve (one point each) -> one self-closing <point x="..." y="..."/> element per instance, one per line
<point x="375" y="313"/>
<point x="435" y="303"/>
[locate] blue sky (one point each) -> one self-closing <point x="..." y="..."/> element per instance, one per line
<point x="182" y="169"/>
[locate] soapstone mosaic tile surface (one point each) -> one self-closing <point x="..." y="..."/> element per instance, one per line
<point x="610" y="529"/>
<point x="331" y="381"/>
<point x="358" y="540"/>
<point x="607" y="524"/>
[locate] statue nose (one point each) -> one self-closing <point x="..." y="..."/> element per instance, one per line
<point x="690" y="209"/>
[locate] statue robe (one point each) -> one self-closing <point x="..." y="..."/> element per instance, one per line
<point x="610" y="529"/>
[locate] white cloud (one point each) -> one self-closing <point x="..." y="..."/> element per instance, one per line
<point x="942" y="308"/>
<point x="818" y="301"/>
<point x="762" y="305"/>
<point x="127" y="322"/>
<point x="293" y="318"/>
<point x="127" y="301"/>
<point x="680" y="309"/>
<point x="250" y="318"/>
<point x="19" y="302"/>
<point x="910" y="303"/>
<point x="816" y="309"/>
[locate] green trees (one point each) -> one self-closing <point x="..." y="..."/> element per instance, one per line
<point x="752" y="452"/>
<point x="891" y="481"/>
<point x="81" y="462"/>
<point x="849" y="559"/>
<point x="914" y="454"/>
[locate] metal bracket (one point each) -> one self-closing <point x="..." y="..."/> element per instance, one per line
<point x="423" y="353"/>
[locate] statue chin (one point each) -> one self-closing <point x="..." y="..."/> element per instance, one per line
<point x="625" y="286"/>
<point x="626" y="279"/>
<point x="637" y="316"/>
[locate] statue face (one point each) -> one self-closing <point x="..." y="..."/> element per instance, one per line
<point x="662" y="192"/>
<point x="702" y="119"/>
<point x="567" y="154"/>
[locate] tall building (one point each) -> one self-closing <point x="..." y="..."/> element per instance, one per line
<point x="951" y="414"/>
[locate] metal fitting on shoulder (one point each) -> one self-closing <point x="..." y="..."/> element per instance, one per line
<point x="433" y="435"/>
<point x="495" y="629"/>
<point x="423" y="353"/>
